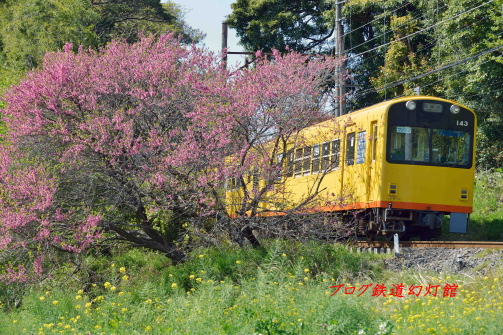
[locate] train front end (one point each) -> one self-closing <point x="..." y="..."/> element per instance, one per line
<point x="428" y="171"/>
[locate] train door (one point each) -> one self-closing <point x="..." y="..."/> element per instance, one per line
<point x="347" y="161"/>
<point x="371" y="161"/>
<point x="357" y="163"/>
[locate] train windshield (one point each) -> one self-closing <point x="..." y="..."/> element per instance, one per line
<point x="430" y="146"/>
<point x="430" y="135"/>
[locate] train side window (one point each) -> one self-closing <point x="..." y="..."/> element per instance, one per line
<point x="325" y="159"/>
<point x="233" y="183"/>
<point x="350" y="148"/>
<point x="280" y="162"/>
<point x="374" y="142"/>
<point x="360" y="154"/>
<point x="290" y="161"/>
<point x="336" y="152"/>
<point x="315" y="165"/>
<point x="306" y="163"/>
<point x="255" y="178"/>
<point x="298" y="162"/>
<point x="279" y="159"/>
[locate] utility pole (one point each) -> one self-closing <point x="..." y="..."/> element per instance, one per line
<point x="340" y="88"/>
<point x="224" y="43"/>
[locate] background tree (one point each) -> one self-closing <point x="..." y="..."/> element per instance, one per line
<point x="126" y="18"/>
<point x="264" y="25"/>
<point x="30" y="28"/>
<point x="473" y="28"/>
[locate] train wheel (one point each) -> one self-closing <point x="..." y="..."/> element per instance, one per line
<point x="389" y="237"/>
<point x="431" y="235"/>
<point x="371" y="231"/>
<point x="370" y="235"/>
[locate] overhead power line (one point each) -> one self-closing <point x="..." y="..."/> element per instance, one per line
<point x="456" y="74"/>
<point x="377" y="17"/>
<point x="424" y="29"/>
<point x="447" y="66"/>
<point x="439" y="69"/>
<point x="383" y="34"/>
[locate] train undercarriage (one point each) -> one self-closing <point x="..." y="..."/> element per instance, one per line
<point x="387" y="222"/>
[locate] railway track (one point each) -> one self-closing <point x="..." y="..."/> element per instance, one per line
<point x="431" y="244"/>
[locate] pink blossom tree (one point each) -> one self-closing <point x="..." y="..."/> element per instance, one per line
<point x="125" y="142"/>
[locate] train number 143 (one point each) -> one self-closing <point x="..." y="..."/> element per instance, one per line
<point x="462" y="123"/>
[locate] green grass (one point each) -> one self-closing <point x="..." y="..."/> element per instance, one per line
<point x="486" y="221"/>
<point x="284" y="288"/>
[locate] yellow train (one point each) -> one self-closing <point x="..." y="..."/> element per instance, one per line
<point x="399" y="166"/>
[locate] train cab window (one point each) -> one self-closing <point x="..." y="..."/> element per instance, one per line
<point x="415" y="145"/>
<point x="306" y="162"/>
<point x="336" y="152"/>
<point x="410" y="144"/>
<point x="315" y="164"/>
<point x="450" y="146"/>
<point x="350" y="148"/>
<point x="298" y="162"/>
<point x="325" y="156"/>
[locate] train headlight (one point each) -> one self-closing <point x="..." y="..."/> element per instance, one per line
<point x="455" y="109"/>
<point x="411" y="105"/>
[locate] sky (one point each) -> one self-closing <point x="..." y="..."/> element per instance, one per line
<point x="207" y="16"/>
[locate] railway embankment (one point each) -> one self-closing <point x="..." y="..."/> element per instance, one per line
<point x="470" y="261"/>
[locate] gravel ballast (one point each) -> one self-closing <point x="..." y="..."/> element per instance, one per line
<point x="464" y="260"/>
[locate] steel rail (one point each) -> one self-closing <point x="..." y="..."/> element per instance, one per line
<point x="431" y="244"/>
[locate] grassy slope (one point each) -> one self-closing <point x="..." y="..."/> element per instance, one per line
<point x="486" y="221"/>
<point x="281" y="289"/>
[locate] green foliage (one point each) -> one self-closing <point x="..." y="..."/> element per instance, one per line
<point x="267" y="290"/>
<point x="486" y="221"/>
<point x="124" y="19"/>
<point x="276" y="24"/>
<point x="477" y="82"/>
<point x="487" y="218"/>
<point x="31" y="28"/>
<point x="139" y="294"/>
